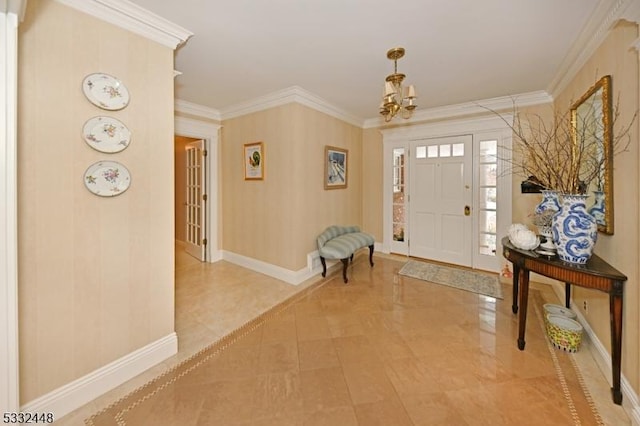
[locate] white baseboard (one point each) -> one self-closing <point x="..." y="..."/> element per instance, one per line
<point x="314" y="266"/>
<point x="602" y="357"/>
<point x="286" y="275"/>
<point x="214" y="256"/>
<point x="73" y="395"/>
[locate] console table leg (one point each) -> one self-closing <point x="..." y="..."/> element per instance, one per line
<point x="615" y="309"/>
<point x="567" y="295"/>
<point x="524" y="299"/>
<point x="514" y="299"/>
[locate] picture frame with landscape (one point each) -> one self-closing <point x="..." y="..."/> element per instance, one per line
<point x="336" y="167"/>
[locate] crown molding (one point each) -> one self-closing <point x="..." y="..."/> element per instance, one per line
<point x="606" y="14"/>
<point x="295" y="94"/>
<point x="134" y="18"/>
<point x="289" y="95"/>
<point x="298" y="95"/>
<point x="469" y="108"/>
<point x="197" y="110"/>
<point x="14" y="7"/>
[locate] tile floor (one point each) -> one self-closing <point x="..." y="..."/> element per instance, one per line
<point x="384" y="349"/>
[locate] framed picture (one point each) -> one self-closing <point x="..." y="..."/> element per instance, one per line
<point x="253" y="161"/>
<point x="335" y="167"/>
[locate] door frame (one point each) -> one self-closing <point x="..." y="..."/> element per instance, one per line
<point x="402" y="136"/>
<point x="209" y="132"/>
<point x="11" y="14"/>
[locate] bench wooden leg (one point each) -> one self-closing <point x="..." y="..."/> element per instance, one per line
<point x="371" y="255"/>
<point x="324" y="267"/>
<point x="345" y="263"/>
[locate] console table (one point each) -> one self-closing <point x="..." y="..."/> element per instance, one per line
<point x="596" y="274"/>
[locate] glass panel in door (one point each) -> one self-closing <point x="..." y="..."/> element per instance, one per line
<point x="399" y="200"/>
<point x="487" y="214"/>
<point x="195" y="200"/>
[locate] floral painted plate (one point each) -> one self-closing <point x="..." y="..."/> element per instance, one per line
<point x="106" y="134"/>
<point x="105" y="91"/>
<point x="107" y="178"/>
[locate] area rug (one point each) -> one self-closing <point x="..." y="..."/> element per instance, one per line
<point x="476" y="282"/>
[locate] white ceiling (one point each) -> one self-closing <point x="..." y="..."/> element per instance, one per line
<point x="456" y="50"/>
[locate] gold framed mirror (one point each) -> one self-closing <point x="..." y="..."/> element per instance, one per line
<point x="591" y="126"/>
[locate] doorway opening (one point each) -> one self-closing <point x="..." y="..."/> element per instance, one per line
<point x="191" y="196"/>
<point x="196" y="188"/>
<point x="446" y="194"/>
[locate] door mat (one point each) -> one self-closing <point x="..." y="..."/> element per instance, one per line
<point x="476" y="282"/>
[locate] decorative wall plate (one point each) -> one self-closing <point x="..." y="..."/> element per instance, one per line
<point x="105" y="91"/>
<point x="107" y="178"/>
<point x="106" y="134"/>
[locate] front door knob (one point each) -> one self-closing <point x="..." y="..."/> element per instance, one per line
<point x="467" y="210"/>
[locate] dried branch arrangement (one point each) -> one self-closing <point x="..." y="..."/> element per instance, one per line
<point x="556" y="156"/>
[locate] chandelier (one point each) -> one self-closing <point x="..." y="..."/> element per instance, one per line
<point x="396" y="98"/>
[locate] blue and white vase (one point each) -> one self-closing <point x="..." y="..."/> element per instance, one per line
<point x="550" y="204"/>
<point x="549" y="201"/>
<point x="597" y="210"/>
<point x="575" y="231"/>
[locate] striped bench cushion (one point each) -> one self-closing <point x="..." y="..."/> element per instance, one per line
<point x="340" y="242"/>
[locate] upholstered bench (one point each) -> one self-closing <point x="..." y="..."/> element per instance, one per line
<point x="341" y="242"/>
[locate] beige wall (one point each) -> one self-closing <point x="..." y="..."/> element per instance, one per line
<point x="96" y="277"/>
<point x="276" y="220"/>
<point x="616" y="58"/>
<point x="372" y="182"/>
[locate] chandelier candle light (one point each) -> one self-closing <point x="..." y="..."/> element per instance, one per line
<point x="396" y="98"/>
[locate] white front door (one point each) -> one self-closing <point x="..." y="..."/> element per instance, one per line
<point x="196" y="200"/>
<point x="441" y="199"/>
